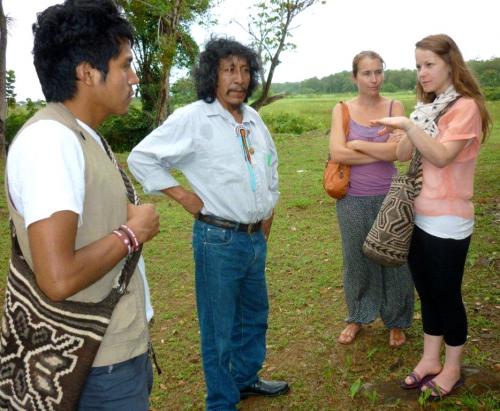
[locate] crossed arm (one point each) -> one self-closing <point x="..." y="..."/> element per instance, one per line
<point x="357" y="151"/>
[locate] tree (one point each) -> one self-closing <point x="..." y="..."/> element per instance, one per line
<point x="10" y="94"/>
<point x="163" y="41"/>
<point x="183" y="91"/>
<point x="3" y="101"/>
<point x="270" y="29"/>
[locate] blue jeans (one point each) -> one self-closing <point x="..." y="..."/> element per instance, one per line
<point x="124" y="386"/>
<point x="231" y="297"/>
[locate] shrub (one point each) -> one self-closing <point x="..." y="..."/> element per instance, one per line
<point x="17" y="115"/>
<point x="288" y="123"/>
<point x="492" y="93"/>
<point x="124" y="132"/>
<point x="15" y="121"/>
<point x="389" y="88"/>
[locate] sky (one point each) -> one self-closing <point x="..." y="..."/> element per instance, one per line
<point x="327" y="35"/>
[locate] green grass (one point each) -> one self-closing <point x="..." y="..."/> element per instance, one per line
<point x="304" y="273"/>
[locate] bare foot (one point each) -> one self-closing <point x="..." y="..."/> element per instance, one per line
<point x="349" y="333"/>
<point x="425" y="368"/>
<point x="396" y="337"/>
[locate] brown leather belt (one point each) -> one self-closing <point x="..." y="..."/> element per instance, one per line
<point x="231" y="225"/>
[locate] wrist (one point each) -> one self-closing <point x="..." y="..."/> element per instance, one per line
<point x="134" y="241"/>
<point x="124" y="240"/>
<point x="177" y="193"/>
<point x="409" y="126"/>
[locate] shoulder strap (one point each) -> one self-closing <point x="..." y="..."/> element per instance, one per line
<point x="345" y="121"/>
<point x="390" y="108"/>
<point x="132" y="260"/>
<point x="345" y="118"/>
<point x="415" y="167"/>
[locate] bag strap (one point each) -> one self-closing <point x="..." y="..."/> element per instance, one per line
<point x="345" y="117"/>
<point x="132" y="259"/>
<point x="415" y="168"/>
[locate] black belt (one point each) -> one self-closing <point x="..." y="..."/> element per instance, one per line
<point x="231" y="225"/>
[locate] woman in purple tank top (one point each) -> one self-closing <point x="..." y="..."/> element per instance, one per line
<point x="371" y="290"/>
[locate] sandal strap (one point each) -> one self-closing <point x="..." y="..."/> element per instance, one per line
<point x="436" y="389"/>
<point x="414" y="377"/>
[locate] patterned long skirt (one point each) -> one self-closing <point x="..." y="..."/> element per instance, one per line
<point x="371" y="289"/>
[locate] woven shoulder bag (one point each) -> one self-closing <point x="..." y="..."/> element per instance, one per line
<point x="47" y="348"/>
<point x="388" y="241"/>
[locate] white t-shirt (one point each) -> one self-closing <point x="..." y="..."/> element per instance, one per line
<point x="445" y="226"/>
<point x="49" y="151"/>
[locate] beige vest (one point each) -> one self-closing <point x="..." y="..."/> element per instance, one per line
<point x="105" y="208"/>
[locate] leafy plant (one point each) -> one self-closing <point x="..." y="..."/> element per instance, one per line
<point x="355" y="387"/>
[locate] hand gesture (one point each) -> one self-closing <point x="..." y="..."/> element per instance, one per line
<point x="391" y="124"/>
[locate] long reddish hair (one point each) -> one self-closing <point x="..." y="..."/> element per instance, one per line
<point x="462" y="78"/>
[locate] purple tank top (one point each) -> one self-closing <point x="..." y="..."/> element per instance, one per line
<point x="369" y="179"/>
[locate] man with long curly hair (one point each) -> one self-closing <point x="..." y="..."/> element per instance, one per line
<point x="228" y="156"/>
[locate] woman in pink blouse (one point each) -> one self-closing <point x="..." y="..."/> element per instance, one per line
<point x="448" y="93"/>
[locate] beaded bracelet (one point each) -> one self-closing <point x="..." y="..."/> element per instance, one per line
<point x="131" y="235"/>
<point x="125" y="240"/>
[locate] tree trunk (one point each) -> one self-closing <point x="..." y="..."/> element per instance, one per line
<point x="164" y="103"/>
<point x="170" y="32"/>
<point x="3" y="100"/>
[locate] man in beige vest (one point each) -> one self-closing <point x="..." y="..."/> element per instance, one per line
<point x="68" y="200"/>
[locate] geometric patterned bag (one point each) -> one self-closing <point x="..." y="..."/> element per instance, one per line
<point x="388" y="241"/>
<point x="47" y="348"/>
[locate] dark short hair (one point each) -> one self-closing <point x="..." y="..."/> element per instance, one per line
<point x="74" y="32"/>
<point x="206" y="72"/>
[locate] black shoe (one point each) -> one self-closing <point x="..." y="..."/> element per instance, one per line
<point x="266" y="388"/>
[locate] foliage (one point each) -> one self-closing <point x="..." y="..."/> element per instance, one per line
<point x="125" y="132"/>
<point x="492" y="93"/>
<point x="10" y="94"/>
<point x="163" y="40"/>
<point x="289" y="123"/>
<point x="355" y="387"/>
<point x="183" y="92"/>
<point x="487" y="71"/>
<point x="270" y="29"/>
<point x="18" y="115"/>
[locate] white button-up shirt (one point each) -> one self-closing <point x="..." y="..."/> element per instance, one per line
<point x="201" y="140"/>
